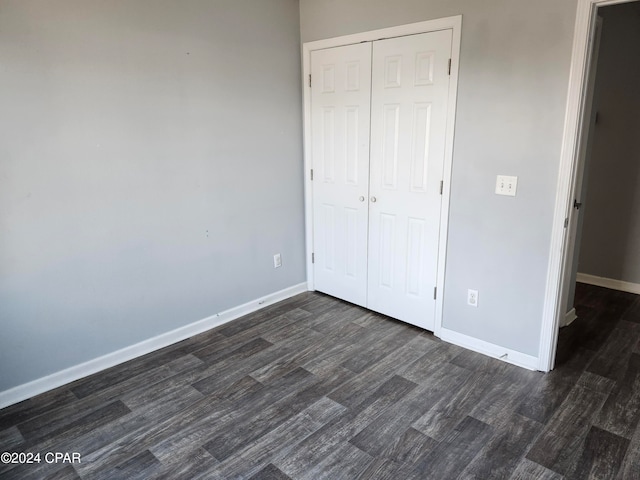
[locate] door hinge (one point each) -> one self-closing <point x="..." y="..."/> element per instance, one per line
<point x="435" y="292"/>
<point x="312" y="174"/>
<point x="566" y="222"/>
<point x="313" y="258"/>
<point x="449" y="66"/>
<point x="577" y="204"/>
<point x="441" y="186"/>
<point x="309" y="80"/>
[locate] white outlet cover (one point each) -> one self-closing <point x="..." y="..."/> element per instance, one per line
<point x="506" y="185"/>
<point x="472" y="298"/>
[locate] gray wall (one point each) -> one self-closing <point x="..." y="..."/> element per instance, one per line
<point x="150" y="166"/>
<point x="514" y="72"/>
<point x="611" y="233"/>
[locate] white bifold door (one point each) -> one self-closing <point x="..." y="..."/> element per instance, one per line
<point x="378" y="125"/>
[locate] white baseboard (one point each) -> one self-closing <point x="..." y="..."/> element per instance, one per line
<point x="569" y="317"/>
<point x="490" y="349"/>
<point x="609" y="283"/>
<point x="55" y="380"/>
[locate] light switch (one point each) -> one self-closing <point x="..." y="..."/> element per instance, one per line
<point x="506" y="185"/>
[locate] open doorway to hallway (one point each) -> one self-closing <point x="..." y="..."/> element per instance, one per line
<point x="607" y="242"/>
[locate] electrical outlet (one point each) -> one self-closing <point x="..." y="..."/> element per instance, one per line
<point x="472" y="297"/>
<point x="506" y="185"/>
<point x="277" y="261"/>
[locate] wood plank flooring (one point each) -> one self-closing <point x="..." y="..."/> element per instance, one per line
<point x="315" y="388"/>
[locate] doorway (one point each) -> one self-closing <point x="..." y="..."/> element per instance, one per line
<point x="600" y="170"/>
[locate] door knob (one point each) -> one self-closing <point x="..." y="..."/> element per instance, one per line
<point x="361" y="198"/>
<point x="374" y="199"/>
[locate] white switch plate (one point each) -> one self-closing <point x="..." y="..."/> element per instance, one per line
<point x="277" y="261"/>
<point x="506" y="185"/>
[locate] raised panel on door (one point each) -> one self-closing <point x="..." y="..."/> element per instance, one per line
<point x="340" y="116"/>
<point x="410" y="88"/>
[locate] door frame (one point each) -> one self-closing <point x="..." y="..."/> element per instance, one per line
<point x="453" y="23"/>
<point x="562" y="247"/>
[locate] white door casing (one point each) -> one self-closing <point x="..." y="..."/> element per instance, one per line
<point x="340" y="119"/>
<point x="410" y="87"/>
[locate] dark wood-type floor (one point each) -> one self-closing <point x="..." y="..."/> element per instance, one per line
<point x="314" y="388"/>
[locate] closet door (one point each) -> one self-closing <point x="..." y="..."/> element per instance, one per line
<point x="340" y="116"/>
<point x="410" y="87"/>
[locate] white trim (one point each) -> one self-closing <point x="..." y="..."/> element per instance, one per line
<point x="446" y="23"/>
<point x="559" y="248"/>
<point x="453" y="23"/>
<point x="569" y="317"/>
<point x="609" y="283"/>
<point x="447" y="173"/>
<point x="44" y="384"/>
<point x="308" y="184"/>
<point x="489" y="349"/>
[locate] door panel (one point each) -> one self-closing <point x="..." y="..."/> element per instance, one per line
<point x="340" y="117"/>
<point x="410" y="87"/>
